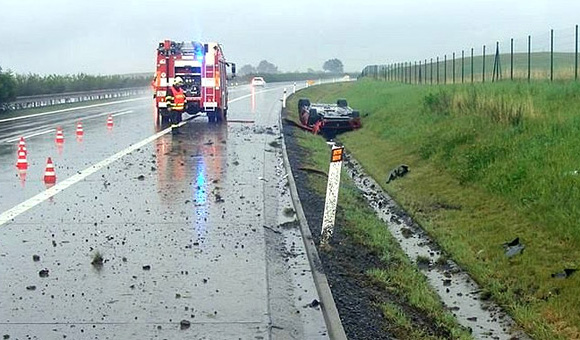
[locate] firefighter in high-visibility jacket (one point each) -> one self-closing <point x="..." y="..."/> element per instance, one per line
<point x="175" y="100"/>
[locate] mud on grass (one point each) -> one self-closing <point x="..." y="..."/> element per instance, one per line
<point x="370" y="306"/>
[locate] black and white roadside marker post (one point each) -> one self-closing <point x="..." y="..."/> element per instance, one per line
<point x="284" y="99"/>
<point x="332" y="187"/>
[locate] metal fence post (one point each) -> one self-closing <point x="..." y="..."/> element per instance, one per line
<point x="462" y="66"/>
<point x="453" y="67"/>
<point x="472" y="65"/>
<point x="445" y="69"/>
<point x="529" y="58"/>
<point x="437" y="69"/>
<point x="551" y="55"/>
<point x="431" y="68"/>
<point x="483" y="73"/>
<point x="512" y="59"/>
<point x="576" y="59"/>
<point x="425" y="72"/>
<point x="497" y="72"/>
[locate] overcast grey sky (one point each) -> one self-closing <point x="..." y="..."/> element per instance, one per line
<point x="120" y="36"/>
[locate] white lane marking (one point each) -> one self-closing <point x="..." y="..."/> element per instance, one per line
<point x="31" y="135"/>
<point x="249" y="95"/>
<point x="30" y="203"/>
<point x="118" y="113"/>
<point x="71" y="109"/>
<point x="121" y="113"/>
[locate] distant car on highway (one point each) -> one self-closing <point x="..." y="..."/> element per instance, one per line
<point x="258" y="81"/>
<point x="328" y="119"/>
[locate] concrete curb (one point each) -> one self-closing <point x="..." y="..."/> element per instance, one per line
<point x="331" y="317"/>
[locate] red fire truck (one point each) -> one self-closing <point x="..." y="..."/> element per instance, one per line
<point x="204" y="71"/>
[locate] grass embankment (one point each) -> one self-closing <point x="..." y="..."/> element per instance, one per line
<point x="412" y="295"/>
<point x="509" y="155"/>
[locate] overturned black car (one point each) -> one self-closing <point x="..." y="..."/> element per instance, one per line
<point x="328" y="119"/>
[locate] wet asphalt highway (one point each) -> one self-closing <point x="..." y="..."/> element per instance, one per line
<point x="194" y="230"/>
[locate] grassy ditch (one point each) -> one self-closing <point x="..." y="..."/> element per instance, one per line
<point x="413" y="310"/>
<point x="508" y="155"/>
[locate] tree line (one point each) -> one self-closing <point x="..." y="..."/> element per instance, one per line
<point x="334" y="66"/>
<point x="16" y="85"/>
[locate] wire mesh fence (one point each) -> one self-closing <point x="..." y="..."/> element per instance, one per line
<point x="550" y="55"/>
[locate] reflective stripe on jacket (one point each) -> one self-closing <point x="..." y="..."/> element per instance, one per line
<point x="176" y="100"/>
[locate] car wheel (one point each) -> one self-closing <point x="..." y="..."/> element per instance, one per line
<point x="313" y="117"/>
<point x="219" y="115"/>
<point x="303" y="102"/>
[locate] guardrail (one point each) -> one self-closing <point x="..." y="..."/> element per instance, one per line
<point x="28" y="102"/>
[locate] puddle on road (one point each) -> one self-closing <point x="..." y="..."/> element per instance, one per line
<point x="457" y="290"/>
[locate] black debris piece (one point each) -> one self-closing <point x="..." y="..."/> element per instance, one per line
<point x="564" y="274"/>
<point x="399" y="171"/>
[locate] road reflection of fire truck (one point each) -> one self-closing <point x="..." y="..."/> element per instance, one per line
<point x="191" y="165"/>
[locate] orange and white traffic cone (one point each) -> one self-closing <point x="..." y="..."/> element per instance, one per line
<point x="22" y="163"/>
<point x="80" y="131"/>
<point x="49" y="174"/>
<point x="59" y="136"/>
<point x="110" y="122"/>
<point x="22" y="145"/>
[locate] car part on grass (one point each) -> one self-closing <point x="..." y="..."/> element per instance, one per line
<point x="513" y="247"/>
<point x="564" y="274"/>
<point x="399" y="171"/>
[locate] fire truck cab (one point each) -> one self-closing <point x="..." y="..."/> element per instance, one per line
<point x="204" y="71"/>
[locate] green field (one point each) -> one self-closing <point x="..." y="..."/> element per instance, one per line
<point x="564" y="67"/>
<point x="509" y="155"/>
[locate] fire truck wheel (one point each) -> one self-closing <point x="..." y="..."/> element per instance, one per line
<point x="219" y="115"/>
